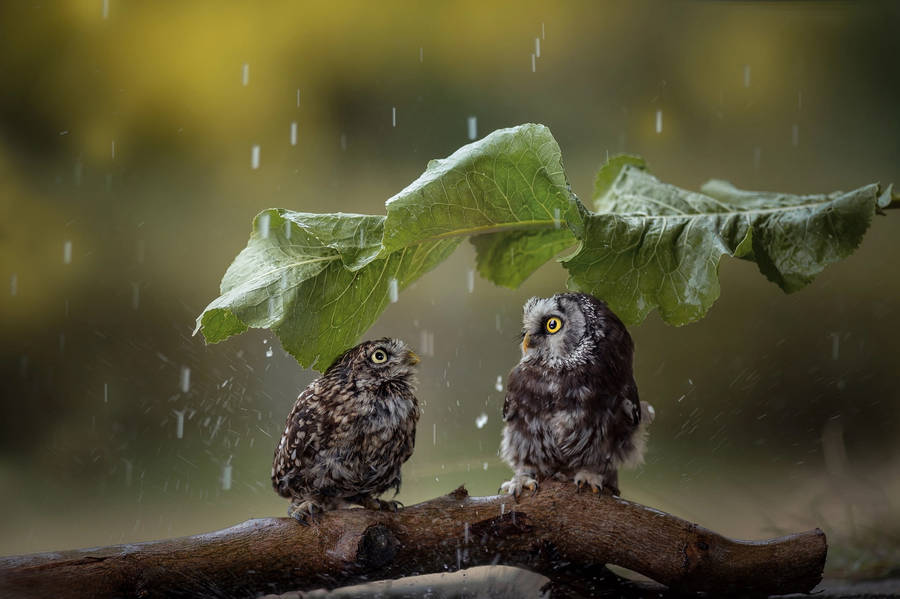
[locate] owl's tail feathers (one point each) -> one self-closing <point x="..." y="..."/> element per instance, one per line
<point x="635" y="457"/>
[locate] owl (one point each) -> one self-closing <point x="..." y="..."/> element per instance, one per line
<point x="349" y="432"/>
<point x="572" y="409"/>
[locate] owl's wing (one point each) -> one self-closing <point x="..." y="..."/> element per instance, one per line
<point x="302" y="437"/>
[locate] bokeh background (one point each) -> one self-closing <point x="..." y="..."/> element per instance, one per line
<point x="126" y="188"/>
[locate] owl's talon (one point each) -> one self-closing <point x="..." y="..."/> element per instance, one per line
<point x="384" y="505"/>
<point x="585" y="480"/>
<point x="518" y="482"/>
<point x="305" y="512"/>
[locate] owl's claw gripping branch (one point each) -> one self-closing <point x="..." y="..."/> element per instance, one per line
<point x="304" y="512"/>
<point x="556" y="532"/>
<point x="514" y="486"/>
<point x="585" y="480"/>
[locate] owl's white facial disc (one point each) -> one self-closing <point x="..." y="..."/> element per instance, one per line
<point x="564" y="347"/>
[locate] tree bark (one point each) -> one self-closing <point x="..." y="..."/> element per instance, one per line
<point x="555" y="532"/>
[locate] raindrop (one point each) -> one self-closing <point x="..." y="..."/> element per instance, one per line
<point x="458" y="558"/>
<point x="14" y="284"/>
<point x="393" y="291"/>
<point x="262" y="224"/>
<point x="67" y="252"/>
<point x="394" y="116"/>
<point x="537" y="47"/>
<point x="298" y="97"/>
<point x="226" y="476"/>
<point x="185" y="379"/>
<point x="426" y="344"/>
<point x="556" y="221"/>
<point x="254" y="157"/>
<point x="470" y="280"/>
<point x="746" y="75"/>
<point x="473" y="127"/>
<point x="481" y="420"/>
<point x="484" y="466"/>
<point x="466" y="533"/>
<point x="135" y="295"/>
<point x="502" y="508"/>
<point x="269" y="352"/>
<point x="835" y="345"/>
<point x="499" y="384"/>
<point x="659" y="121"/>
<point x="113" y="149"/>
<point x="294" y="133"/>
<point x="105" y="9"/>
<point x="179" y="424"/>
<point x="434" y="434"/>
<point x="287" y="229"/>
<point x="543" y="32"/>
<point x="795" y="135"/>
<point x="245" y="74"/>
<point x="421" y="54"/>
<point x="533" y="64"/>
<point x="105" y="392"/>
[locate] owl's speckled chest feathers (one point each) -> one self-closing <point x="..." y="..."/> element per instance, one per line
<point x="343" y="439"/>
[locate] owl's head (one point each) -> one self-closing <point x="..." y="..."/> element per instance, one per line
<point x="569" y="329"/>
<point x="373" y="363"/>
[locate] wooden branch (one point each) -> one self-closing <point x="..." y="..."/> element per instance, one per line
<point x="553" y="532"/>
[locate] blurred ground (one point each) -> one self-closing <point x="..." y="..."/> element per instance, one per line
<point x="126" y="187"/>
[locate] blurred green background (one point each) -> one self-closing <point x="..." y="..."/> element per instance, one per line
<point x="126" y="188"/>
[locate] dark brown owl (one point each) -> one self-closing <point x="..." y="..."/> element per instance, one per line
<point x="350" y="431"/>
<point x="572" y="408"/>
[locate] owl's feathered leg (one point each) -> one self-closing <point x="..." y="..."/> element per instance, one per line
<point x="523" y="479"/>
<point x="305" y="511"/>
<point x="598" y="482"/>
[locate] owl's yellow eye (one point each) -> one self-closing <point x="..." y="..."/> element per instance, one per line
<point x="553" y="325"/>
<point x="379" y="356"/>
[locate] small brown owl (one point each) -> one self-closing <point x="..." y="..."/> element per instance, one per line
<point x="572" y="408"/>
<point x="349" y="432"/>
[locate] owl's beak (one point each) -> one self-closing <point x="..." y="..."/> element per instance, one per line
<point x="412" y="358"/>
<point x="526" y="342"/>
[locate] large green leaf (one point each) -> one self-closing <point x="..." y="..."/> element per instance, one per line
<point x="320" y="280"/>
<point x="652" y="245"/>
